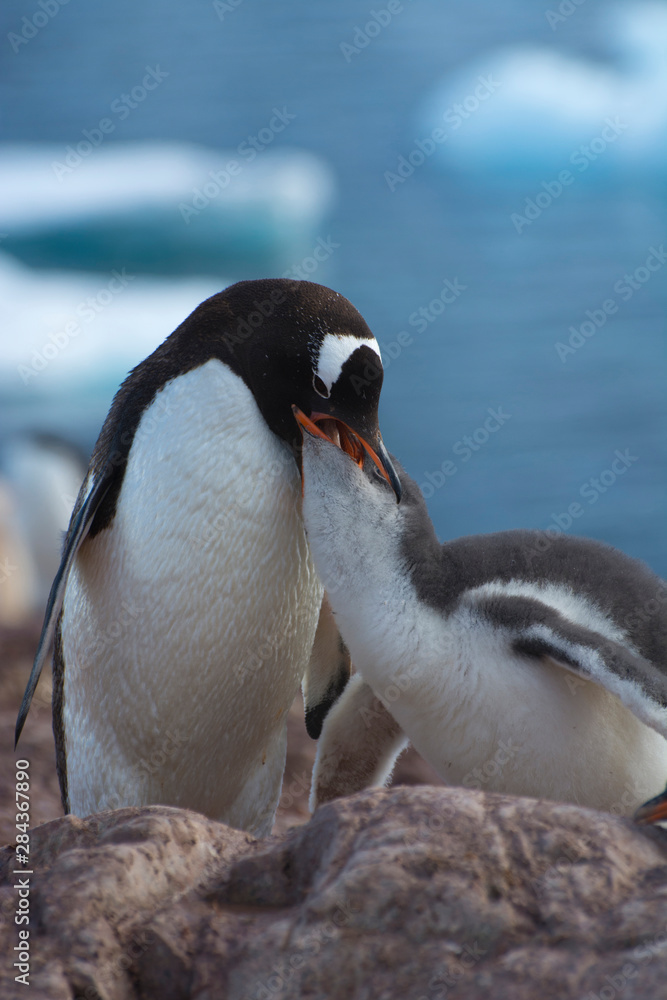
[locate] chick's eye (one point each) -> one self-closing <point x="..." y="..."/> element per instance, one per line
<point x="320" y="387"/>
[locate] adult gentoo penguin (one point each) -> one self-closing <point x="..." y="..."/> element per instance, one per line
<point x="189" y="598"/>
<point x="516" y="662"/>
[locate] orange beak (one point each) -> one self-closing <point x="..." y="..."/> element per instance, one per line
<point x="336" y="432"/>
<point x="653" y="811"/>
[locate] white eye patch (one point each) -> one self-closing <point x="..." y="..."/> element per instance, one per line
<point x="334" y="352"/>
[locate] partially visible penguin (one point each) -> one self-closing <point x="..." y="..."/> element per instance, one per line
<point x="44" y="472"/>
<point x="510" y="664"/>
<point x="186" y="605"/>
<point x="17" y="576"/>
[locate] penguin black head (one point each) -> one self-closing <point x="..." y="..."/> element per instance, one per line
<point x="296" y="343"/>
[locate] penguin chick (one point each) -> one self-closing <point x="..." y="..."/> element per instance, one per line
<point x="514" y="662"/>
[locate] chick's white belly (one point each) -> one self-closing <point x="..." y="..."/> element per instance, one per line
<point x="486" y="718"/>
<point x="188" y="623"/>
<point x="532" y="729"/>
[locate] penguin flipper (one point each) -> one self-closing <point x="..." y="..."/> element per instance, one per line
<point x="359" y="746"/>
<point x="536" y="629"/>
<point x="78" y="529"/>
<point x="328" y="671"/>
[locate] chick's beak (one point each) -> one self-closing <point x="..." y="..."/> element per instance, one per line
<point x="352" y="442"/>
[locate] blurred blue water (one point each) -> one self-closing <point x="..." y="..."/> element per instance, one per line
<point x="495" y="345"/>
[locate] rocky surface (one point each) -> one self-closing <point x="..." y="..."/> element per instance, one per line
<point x="418" y="893"/>
<point x="17" y="648"/>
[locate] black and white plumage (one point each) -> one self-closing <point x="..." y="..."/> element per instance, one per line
<point x="189" y="599"/>
<point x="518" y="662"/>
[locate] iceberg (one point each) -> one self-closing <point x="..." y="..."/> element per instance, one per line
<point x="161" y="208"/>
<point x="546" y="110"/>
<point x="65" y="333"/>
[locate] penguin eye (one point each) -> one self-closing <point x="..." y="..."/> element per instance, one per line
<point x="320" y="387"/>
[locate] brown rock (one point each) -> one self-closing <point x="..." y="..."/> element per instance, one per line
<point x="17" y="648"/>
<point x="400" y="893"/>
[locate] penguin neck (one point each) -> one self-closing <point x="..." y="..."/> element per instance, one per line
<point x="368" y="558"/>
<point x="425" y="560"/>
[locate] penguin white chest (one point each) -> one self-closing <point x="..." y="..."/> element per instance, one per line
<point x="526" y="726"/>
<point x="188" y="623"/>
